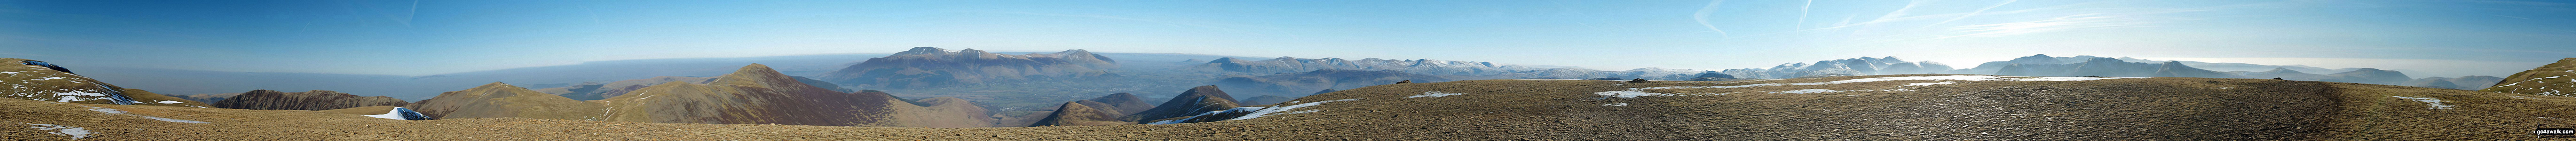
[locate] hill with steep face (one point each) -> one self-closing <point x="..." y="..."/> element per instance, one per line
<point x="1123" y="103"/>
<point x="308" y="100"/>
<point x="1898" y="107"/>
<point x="1298" y="84"/>
<point x="41" y="81"/>
<point x="1198" y="99"/>
<point x="497" y="100"/>
<point x="1077" y="114"/>
<point x="1114" y="105"/>
<point x="2554" y="79"/>
<point x="935" y="67"/>
<point x="757" y="95"/>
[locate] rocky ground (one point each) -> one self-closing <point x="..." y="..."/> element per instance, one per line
<point x="1887" y="107"/>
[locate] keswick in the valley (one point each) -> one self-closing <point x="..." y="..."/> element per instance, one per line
<point x="1287" y="70"/>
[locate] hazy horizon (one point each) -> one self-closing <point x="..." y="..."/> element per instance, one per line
<point x="2425" y="38"/>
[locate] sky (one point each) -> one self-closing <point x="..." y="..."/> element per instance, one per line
<point x="2425" y="37"/>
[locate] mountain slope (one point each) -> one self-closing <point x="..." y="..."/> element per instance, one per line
<point x="1076" y="114"/>
<point x="497" y="100"/>
<point x="41" y="81"/>
<point x="756" y="94"/>
<point x="2554" y="79"/>
<point x="1266" y="100"/>
<point x="308" y="100"/>
<point x="1198" y="99"/>
<point x="935" y="67"/>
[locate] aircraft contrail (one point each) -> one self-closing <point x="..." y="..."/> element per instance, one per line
<point x="1802" y="14"/>
<point x="1702" y="17"/>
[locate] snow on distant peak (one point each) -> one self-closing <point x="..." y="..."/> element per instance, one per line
<point x="1434" y="94"/>
<point x="75" y="132"/>
<point x="2429" y="103"/>
<point x="1638" y="92"/>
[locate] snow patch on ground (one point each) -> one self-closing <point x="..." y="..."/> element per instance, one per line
<point x="1929" y="84"/>
<point x="51" y="78"/>
<point x="2429" y="103"/>
<point x="75" y="132"/>
<point x="1434" y="94"/>
<point x="1808" y="91"/>
<point x="1631" y="93"/>
<point x="395" y="114"/>
<point x="80" y="93"/>
<point x="1281" y="110"/>
<point x="1564" y="79"/>
<point x="117" y="112"/>
<point x="1615" y="104"/>
<point x="170" y="102"/>
<point x="1209" y="114"/>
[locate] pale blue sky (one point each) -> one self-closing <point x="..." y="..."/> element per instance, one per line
<point x="2431" y="37"/>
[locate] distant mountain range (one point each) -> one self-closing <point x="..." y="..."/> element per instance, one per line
<point x="1306" y="83"/>
<point x="935" y="67"/>
<point x="2044" y="65"/>
<point x="755" y="94"/>
<point x="1841" y="67"/>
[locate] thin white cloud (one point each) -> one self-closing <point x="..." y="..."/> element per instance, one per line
<point x="2065" y="23"/>
<point x="1970" y="13"/>
<point x="1702" y="18"/>
<point x="1803" y="9"/>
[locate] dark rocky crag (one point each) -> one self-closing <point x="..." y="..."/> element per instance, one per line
<point x="924" y="67"/>
<point x="308" y="100"/>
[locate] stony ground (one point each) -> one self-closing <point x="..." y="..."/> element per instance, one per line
<point x="2106" y="109"/>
